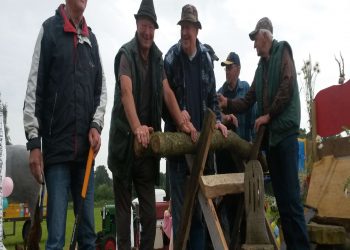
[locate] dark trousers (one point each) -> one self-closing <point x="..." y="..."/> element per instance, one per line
<point x="178" y="182"/>
<point x="283" y="165"/>
<point x="143" y="177"/>
<point x="228" y="208"/>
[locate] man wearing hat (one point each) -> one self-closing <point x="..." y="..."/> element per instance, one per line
<point x="141" y="86"/>
<point x="275" y="89"/>
<point x="242" y="124"/>
<point x="189" y="69"/>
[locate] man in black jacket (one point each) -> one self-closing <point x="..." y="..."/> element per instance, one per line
<point x="63" y="116"/>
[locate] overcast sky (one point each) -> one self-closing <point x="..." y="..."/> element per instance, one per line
<point x="316" y="27"/>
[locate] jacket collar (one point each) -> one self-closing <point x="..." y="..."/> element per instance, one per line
<point x="68" y="26"/>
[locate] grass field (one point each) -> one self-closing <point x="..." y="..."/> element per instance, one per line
<point x="11" y="241"/>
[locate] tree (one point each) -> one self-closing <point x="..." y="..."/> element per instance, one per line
<point x="341" y="69"/>
<point x="309" y="72"/>
<point x="102" y="177"/>
<point x="3" y="106"/>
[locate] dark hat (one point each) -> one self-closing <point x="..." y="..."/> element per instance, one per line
<point x="189" y="14"/>
<point x="211" y="52"/>
<point x="147" y="10"/>
<point x="232" y="58"/>
<point x="263" y="23"/>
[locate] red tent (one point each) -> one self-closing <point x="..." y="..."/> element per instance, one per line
<point x="333" y="109"/>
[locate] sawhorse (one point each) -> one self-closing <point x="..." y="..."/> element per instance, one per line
<point x="209" y="187"/>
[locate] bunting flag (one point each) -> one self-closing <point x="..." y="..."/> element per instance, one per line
<point x="333" y="109"/>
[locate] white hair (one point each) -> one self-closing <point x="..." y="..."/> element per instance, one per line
<point x="267" y="33"/>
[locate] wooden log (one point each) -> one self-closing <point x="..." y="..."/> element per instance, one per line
<point x="221" y="184"/>
<point x="326" y="234"/>
<point x="178" y="143"/>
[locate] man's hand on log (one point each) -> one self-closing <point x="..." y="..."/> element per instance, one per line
<point x="185" y="116"/>
<point x="264" y="119"/>
<point x="222" y="128"/>
<point x="230" y="119"/>
<point x="188" y="128"/>
<point x="142" y="134"/>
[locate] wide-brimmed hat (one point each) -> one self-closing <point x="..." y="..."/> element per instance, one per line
<point x="232" y="58"/>
<point x="263" y="23"/>
<point x="189" y="14"/>
<point x="147" y="10"/>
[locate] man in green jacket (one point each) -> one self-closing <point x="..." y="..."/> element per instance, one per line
<point x="141" y="87"/>
<point x="275" y="89"/>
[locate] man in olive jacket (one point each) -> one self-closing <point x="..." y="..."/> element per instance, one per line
<point x="141" y="87"/>
<point x="275" y="89"/>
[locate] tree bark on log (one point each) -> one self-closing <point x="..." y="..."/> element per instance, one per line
<point x="178" y="143"/>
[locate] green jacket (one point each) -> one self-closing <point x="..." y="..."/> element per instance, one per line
<point x="287" y="122"/>
<point x="121" y="138"/>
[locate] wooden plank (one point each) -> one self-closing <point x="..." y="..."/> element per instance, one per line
<point x="334" y="203"/>
<point x="314" y="132"/>
<point x="254" y="204"/>
<point x="221" y="184"/>
<point x="213" y="224"/>
<point x="326" y="234"/>
<point x="197" y="170"/>
<point x="338" y="147"/>
<point x="320" y="173"/>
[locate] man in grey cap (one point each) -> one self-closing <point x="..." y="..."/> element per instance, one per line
<point x="275" y="88"/>
<point x="141" y="87"/>
<point x="189" y="69"/>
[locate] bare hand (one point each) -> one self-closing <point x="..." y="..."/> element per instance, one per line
<point x="142" y="134"/>
<point x="95" y="140"/>
<point x="222" y="101"/>
<point x="222" y="128"/>
<point x="185" y="116"/>
<point x="264" y="119"/>
<point x="188" y="128"/>
<point x="231" y="118"/>
<point x="36" y="165"/>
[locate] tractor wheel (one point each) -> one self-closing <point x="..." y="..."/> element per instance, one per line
<point x="110" y="244"/>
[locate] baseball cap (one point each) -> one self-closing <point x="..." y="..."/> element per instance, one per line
<point x="232" y="58"/>
<point x="263" y="23"/>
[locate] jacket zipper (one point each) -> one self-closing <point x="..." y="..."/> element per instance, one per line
<point x="53" y="112"/>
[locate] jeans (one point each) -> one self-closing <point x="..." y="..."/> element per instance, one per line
<point x="178" y="182"/>
<point x="60" y="179"/>
<point x="283" y="165"/>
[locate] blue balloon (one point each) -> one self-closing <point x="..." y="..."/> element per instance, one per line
<point x="5" y="203"/>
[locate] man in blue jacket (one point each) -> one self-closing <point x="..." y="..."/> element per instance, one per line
<point x="63" y="116"/>
<point x="189" y="69"/>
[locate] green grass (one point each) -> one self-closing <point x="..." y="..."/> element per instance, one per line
<point x="11" y="241"/>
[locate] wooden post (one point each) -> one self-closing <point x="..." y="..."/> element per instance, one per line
<point x="314" y="132"/>
<point x="180" y="241"/>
